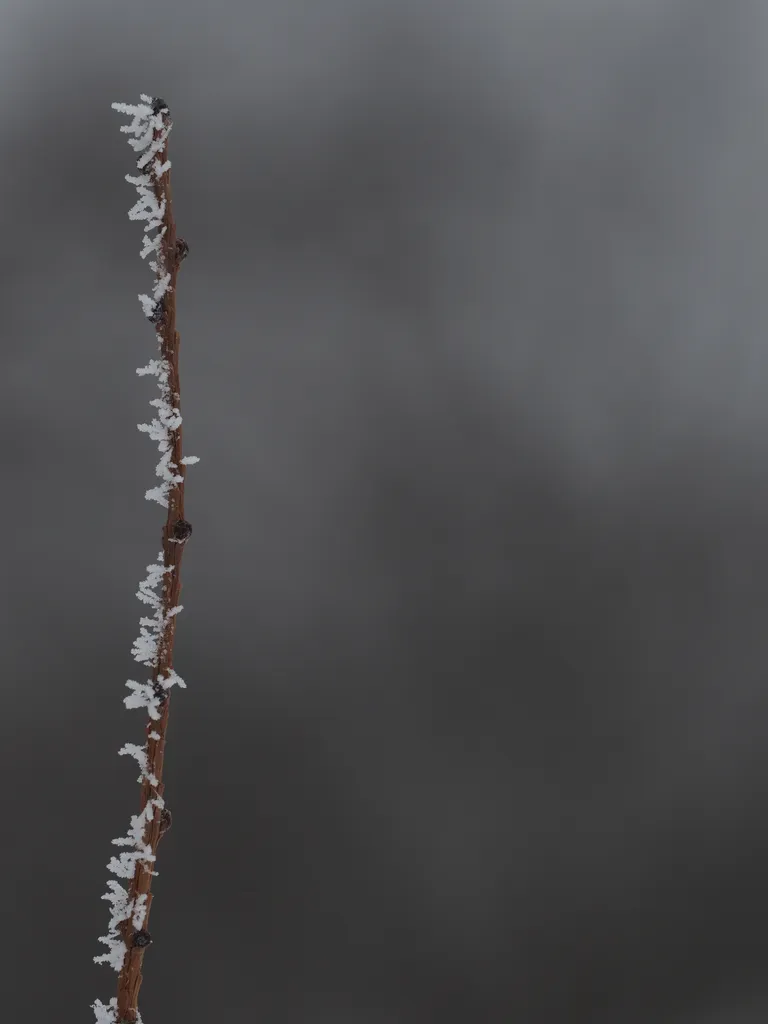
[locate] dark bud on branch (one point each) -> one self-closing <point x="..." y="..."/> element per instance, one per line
<point x="141" y="939"/>
<point x="182" y="249"/>
<point x="161" y="694"/>
<point x="158" y="105"/>
<point x="158" y="313"/>
<point x="166" y="820"/>
<point x="182" y="530"/>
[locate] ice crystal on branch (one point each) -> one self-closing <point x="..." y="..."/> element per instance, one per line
<point x="107" y="1014"/>
<point x="151" y="125"/>
<point x="140" y="753"/>
<point x="145" y="646"/>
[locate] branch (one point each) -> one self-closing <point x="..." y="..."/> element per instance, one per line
<point x="128" y="937"/>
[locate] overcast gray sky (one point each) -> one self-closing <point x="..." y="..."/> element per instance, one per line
<point x="474" y="358"/>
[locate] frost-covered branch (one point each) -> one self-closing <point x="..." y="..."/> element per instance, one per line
<point x="127" y="936"/>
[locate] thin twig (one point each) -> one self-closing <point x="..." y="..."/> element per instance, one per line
<point x="128" y="936"/>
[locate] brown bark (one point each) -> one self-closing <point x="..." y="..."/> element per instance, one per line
<point x="130" y="977"/>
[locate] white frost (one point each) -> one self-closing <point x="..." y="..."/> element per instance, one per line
<point x="143" y="696"/>
<point x="172" y="679"/>
<point x="140" y="911"/>
<point x="140" y="753"/>
<point x="160" y="429"/>
<point x="107" y="1013"/>
<point x="144" y="126"/>
<point x="145" y="646"/>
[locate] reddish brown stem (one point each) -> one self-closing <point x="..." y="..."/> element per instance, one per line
<point x="130" y="977"/>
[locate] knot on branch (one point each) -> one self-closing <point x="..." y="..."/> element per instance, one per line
<point x="182" y="530"/>
<point x="141" y="939"/>
<point x="182" y="250"/>
<point x="166" y="820"/>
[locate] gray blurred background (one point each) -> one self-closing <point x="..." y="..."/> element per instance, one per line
<point x="475" y="358"/>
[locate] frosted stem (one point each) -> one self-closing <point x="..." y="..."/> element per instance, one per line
<point x="127" y="937"/>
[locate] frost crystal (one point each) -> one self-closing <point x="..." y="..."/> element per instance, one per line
<point x="140" y="754"/>
<point x="147" y="124"/>
<point x="167" y="420"/>
<point x="145" y="646"/>
<point x="107" y="1014"/>
<point x="140" y="911"/>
